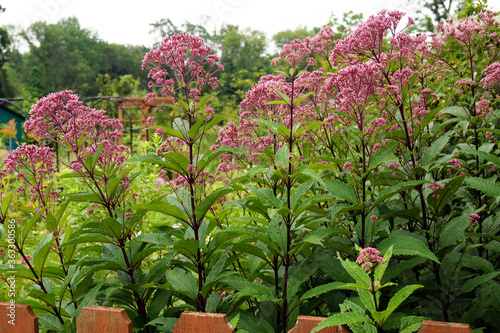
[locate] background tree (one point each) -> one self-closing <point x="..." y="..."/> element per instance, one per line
<point x="428" y="13"/>
<point x="62" y="56"/>
<point x="6" y="89"/>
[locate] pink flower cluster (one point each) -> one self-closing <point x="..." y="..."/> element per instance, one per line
<point x="474" y="219"/>
<point x="369" y="256"/>
<point x="435" y="186"/>
<point x="183" y="62"/>
<point x="368" y="39"/>
<point x="34" y="165"/>
<point x="62" y="118"/>
<point x="492" y="79"/>
<point x="298" y="52"/>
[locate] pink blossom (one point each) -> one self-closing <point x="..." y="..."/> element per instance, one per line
<point x="28" y="258"/>
<point x="187" y="57"/>
<point x="151" y="121"/>
<point x="456" y="163"/>
<point x="474" y="219"/>
<point x="34" y="165"/>
<point x="368" y="256"/>
<point x="435" y="186"/>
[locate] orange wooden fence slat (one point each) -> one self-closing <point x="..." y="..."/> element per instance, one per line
<point x="198" y="322"/>
<point x="98" y="319"/>
<point x="429" y="326"/>
<point x="17" y="318"/>
<point x="305" y="324"/>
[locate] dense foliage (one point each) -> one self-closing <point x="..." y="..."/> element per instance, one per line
<point x="360" y="182"/>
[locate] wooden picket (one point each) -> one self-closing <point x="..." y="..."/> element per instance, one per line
<point x="17" y="318"/>
<point x="104" y="320"/>
<point x="305" y="324"/>
<point x="199" y="322"/>
<point x="442" y="327"/>
<point x="115" y="320"/>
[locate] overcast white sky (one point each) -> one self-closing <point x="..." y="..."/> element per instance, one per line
<point x="127" y="21"/>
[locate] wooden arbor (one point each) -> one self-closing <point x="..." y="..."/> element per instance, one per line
<point x="147" y="109"/>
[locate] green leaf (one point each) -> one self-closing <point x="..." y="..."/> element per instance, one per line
<point x="407" y="246"/>
<point x="384" y="156"/>
<point x="298" y="100"/>
<point x="309" y="127"/>
<point x="390" y="191"/>
<point x="380" y="269"/>
<point x="6" y="201"/>
<point x="257" y="290"/>
<point x="254" y="234"/>
<point x="399" y="298"/>
<point x="49" y="322"/>
<point x="441" y="197"/>
<point x="453" y="231"/>
<point x="483" y="185"/>
<point x="397" y="269"/>
<point x="489" y="157"/>
<point x="470" y="284"/>
<point x="213" y="302"/>
<point x="355" y="271"/>
<point x="165" y="208"/>
<point x="83" y="197"/>
<point x="457" y="111"/>
<point x="182" y="282"/>
<point x="245" y="322"/>
<point x="267" y="197"/>
<point x="410" y="324"/>
<point x="314" y="175"/>
<point x="299" y="193"/>
<point x="209" y="157"/>
<point x="341" y="319"/>
<point x="321" y="289"/>
<point x="157" y="239"/>
<point x="218" y="267"/>
<point x="92" y="238"/>
<point x="283" y="155"/>
<point x="170" y="131"/>
<point x="341" y="190"/>
<point x="89" y="298"/>
<point x="164" y="322"/>
<point x="41" y="252"/>
<point x="283" y="96"/>
<point x="203" y="207"/>
<point x="182" y="125"/>
<point x="188" y="247"/>
<point x="431" y="153"/>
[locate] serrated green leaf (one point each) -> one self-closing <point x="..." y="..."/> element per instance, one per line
<point x="83" y="197"/>
<point x="484" y="185"/>
<point x="410" y="324"/>
<point x="341" y="319"/>
<point x="405" y="245"/>
<point x="431" y="153"/>
<point x="41" y="252"/>
<point x="283" y="156"/>
<point x="355" y="271"/>
<point x="89" y="298"/>
<point x="341" y="190"/>
<point x="397" y="299"/>
<point x="392" y="190"/>
<point x="157" y="239"/>
<point x="470" y="284"/>
<point x="182" y="282"/>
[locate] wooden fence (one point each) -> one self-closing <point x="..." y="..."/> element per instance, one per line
<point x="18" y="318"/>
